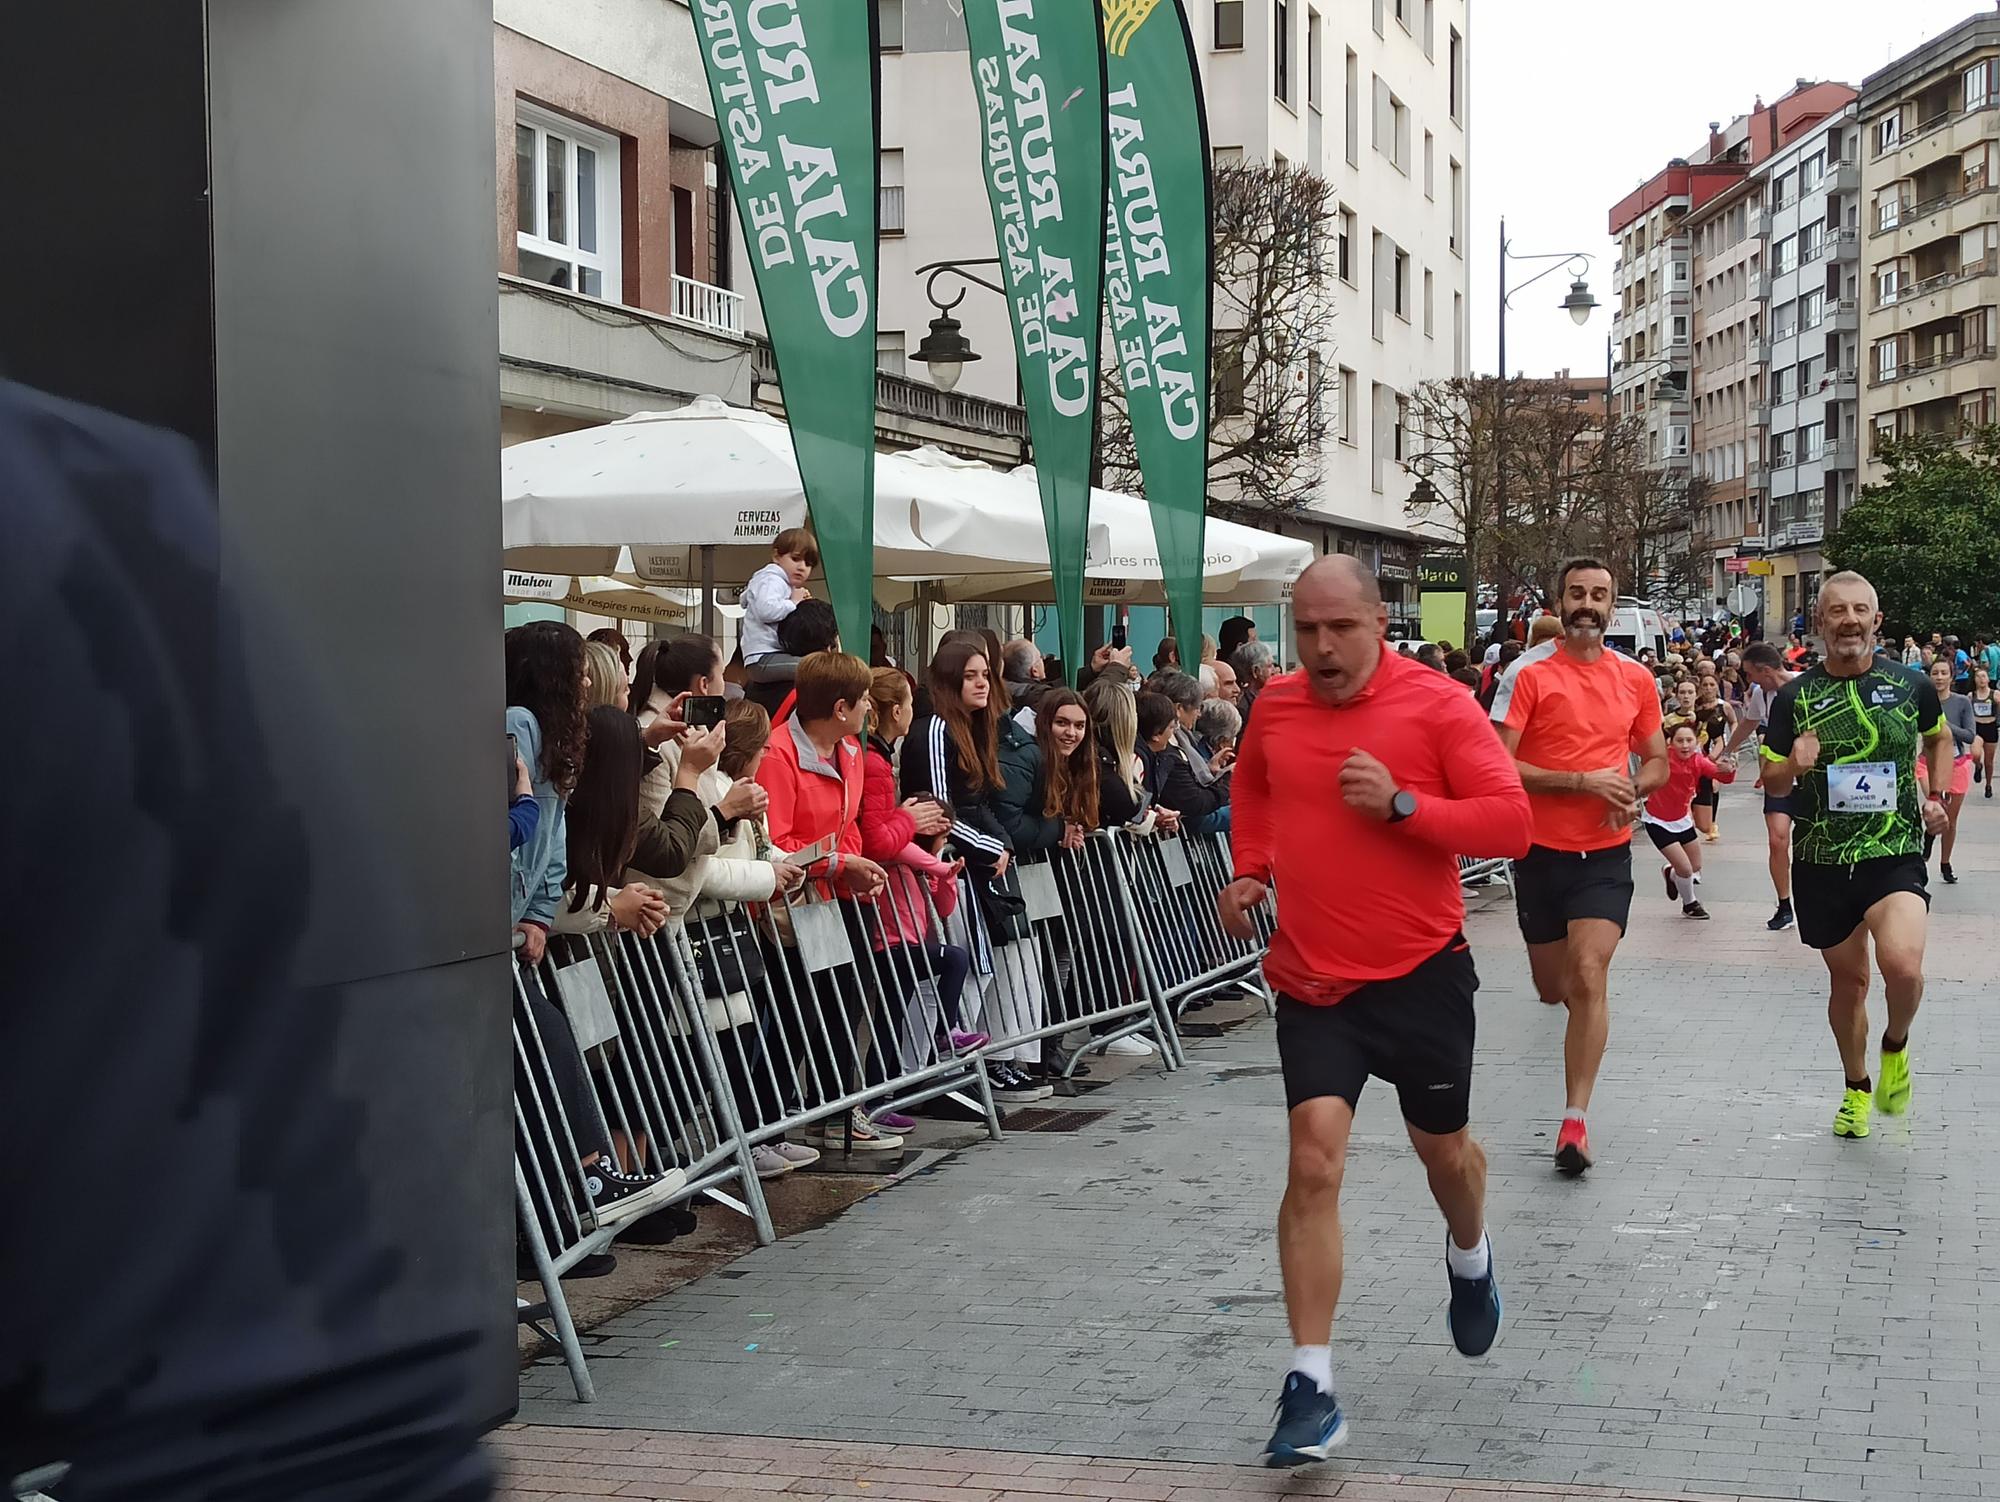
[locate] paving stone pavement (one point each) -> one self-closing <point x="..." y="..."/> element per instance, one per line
<point x="1733" y="1301"/>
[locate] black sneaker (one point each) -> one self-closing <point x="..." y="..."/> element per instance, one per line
<point x="1667" y="874"/>
<point x="1782" y="919"/>
<point x="596" y="1265"/>
<point x="1310" y="1424"/>
<point x="1693" y="910"/>
<point x="1950" y="876"/>
<point x="617" y="1196"/>
<point x="1474" y="1315"/>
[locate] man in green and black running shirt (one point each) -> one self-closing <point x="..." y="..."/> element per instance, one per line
<point x="1844" y="739"/>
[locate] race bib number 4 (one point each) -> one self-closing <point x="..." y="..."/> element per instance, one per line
<point x="1861" y="787"/>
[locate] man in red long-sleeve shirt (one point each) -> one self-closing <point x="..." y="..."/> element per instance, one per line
<point x="1373" y="973"/>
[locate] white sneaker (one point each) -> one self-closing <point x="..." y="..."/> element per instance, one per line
<point x="770" y="1163"/>
<point x="795" y="1153"/>
<point x="868" y="1138"/>
<point x="1132" y="1047"/>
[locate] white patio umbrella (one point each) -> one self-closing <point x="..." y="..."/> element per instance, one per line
<point x="663" y="486"/>
<point x="602" y="595"/>
<point x="1245" y="565"/>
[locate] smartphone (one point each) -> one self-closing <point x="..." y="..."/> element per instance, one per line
<point x="513" y="754"/>
<point x="1118" y="637"/>
<point x="704" y="711"/>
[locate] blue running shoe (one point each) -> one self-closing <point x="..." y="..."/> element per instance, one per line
<point x="1474" y="1315"/>
<point x="1310" y="1425"/>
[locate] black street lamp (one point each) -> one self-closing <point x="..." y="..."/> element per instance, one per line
<point x="1579" y="304"/>
<point x="945" y="349"/>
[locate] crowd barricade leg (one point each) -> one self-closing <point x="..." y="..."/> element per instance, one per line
<point x="1476" y="871"/>
<point x="1171" y="883"/>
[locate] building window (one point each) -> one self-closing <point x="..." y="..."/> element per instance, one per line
<point x="1430" y="28"/>
<point x="1281" y="49"/>
<point x="1379" y="8"/>
<point x="1348" y="396"/>
<point x="892" y="192"/>
<point x="1457" y="209"/>
<point x="1975" y="411"/>
<point x="1228" y="156"/>
<point x="1978" y="85"/>
<point x="1392" y="127"/>
<point x="1378" y="273"/>
<point x="1314" y="65"/>
<point x="1402" y="285"/>
<point x="1888" y="209"/>
<point x="1353" y="110"/>
<point x="1680" y="328"/>
<point x="567" y="183"/>
<point x="1888" y="285"/>
<point x="1812" y="172"/>
<point x="1315" y="395"/>
<point x="1229" y="378"/>
<point x="1457" y="67"/>
<point x="1228" y="25"/>
<point x="1785" y="192"/>
<point x="1785" y="256"/>
<point x="1784" y="384"/>
<point x="1430" y="304"/>
<point x="1402" y="429"/>
<point x="1784" y="450"/>
<point x="1888" y="132"/>
<point x="1812" y="441"/>
<point x="1886" y="360"/>
<point x="1346" y="246"/>
<point x="889" y="353"/>
<point x="1430" y="166"/>
<point x="1812" y="310"/>
<point x="889" y="22"/>
<point x="1812" y="241"/>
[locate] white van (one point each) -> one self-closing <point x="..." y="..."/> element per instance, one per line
<point x="1635" y="627"/>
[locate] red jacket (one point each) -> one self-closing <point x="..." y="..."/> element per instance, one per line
<point x="886" y="826"/>
<point x="1361" y="900"/>
<point x="811" y="797"/>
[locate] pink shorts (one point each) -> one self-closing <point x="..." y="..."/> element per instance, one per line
<point x="1961" y="775"/>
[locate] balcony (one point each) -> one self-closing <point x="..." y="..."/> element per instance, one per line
<point x="1845" y="177"/>
<point x="708" y="307"/>
<point x="1929" y="364"/>
<point x="1986" y="265"/>
<point x="1760" y="416"/>
<point x="1760" y="352"/>
<point x="1840" y="385"/>
<point x="1843" y="455"/>
<point x="1844" y="244"/>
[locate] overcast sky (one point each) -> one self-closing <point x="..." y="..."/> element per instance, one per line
<point x="1577" y="103"/>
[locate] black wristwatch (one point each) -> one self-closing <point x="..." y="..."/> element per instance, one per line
<point x="1402" y="805"/>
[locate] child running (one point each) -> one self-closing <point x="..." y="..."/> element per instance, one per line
<point x="1669" y="812"/>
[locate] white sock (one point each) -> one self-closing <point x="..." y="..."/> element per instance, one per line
<point x="1685" y="886"/>
<point x="1468" y="1264"/>
<point x="1572" y="1114"/>
<point x="1315" y="1362"/>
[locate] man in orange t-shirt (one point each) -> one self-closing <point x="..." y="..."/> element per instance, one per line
<point x="1575" y="721"/>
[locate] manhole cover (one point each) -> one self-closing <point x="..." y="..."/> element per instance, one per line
<point x="1047" y="1119"/>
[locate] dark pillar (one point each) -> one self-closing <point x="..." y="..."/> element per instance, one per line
<point x="270" y="228"/>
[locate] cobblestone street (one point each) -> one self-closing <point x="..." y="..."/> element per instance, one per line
<point x="1732" y="1303"/>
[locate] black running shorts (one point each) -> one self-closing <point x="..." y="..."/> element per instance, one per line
<point x="1553" y="888"/>
<point x="1776" y="805"/>
<point x="1664" y="837"/>
<point x="1415" y="1032"/>
<point x="1832" y="901"/>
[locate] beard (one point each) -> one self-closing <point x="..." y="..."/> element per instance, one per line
<point x="1583" y="616"/>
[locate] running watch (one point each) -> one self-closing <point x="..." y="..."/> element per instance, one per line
<point x="1402" y="805"/>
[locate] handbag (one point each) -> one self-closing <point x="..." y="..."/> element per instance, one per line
<point x="726" y="960"/>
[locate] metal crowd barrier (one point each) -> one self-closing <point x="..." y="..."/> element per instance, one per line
<point x="1169" y="890"/>
<point x="1067" y="964"/>
<point x="607" y="1060"/>
<point x="1477" y="871"/>
<point x="680" y="1054"/>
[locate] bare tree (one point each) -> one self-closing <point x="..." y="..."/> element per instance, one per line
<point x="1276" y="252"/>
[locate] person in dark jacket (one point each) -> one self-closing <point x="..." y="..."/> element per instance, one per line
<point x="1020" y="797"/>
<point x="810" y="628"/>
<point x="1122" y="799"/>
<point x="952" y="753"/>
<point x="1169" y="775"/>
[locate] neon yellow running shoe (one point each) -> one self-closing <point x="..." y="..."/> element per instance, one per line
<point x="1851" y="1120"/>
<point x="1892" y="1088"/>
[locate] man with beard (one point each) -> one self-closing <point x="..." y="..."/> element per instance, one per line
<point x="1573" y="724"/>
<point x="1843" y="741"/>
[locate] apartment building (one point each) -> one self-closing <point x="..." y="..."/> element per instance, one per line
<point x="1809" y="419"/>
<point x="1728" y="237"/>
<point x="617" y="293"/>
<point x="1372" y="96"/>
<point x="1691" y="331"/>
<point x="1931" y="248"/>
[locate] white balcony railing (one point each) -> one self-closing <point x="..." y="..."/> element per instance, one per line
<point x="711" y="307"/>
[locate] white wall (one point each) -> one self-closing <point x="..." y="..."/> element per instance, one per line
<point x="646" y="42"/>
